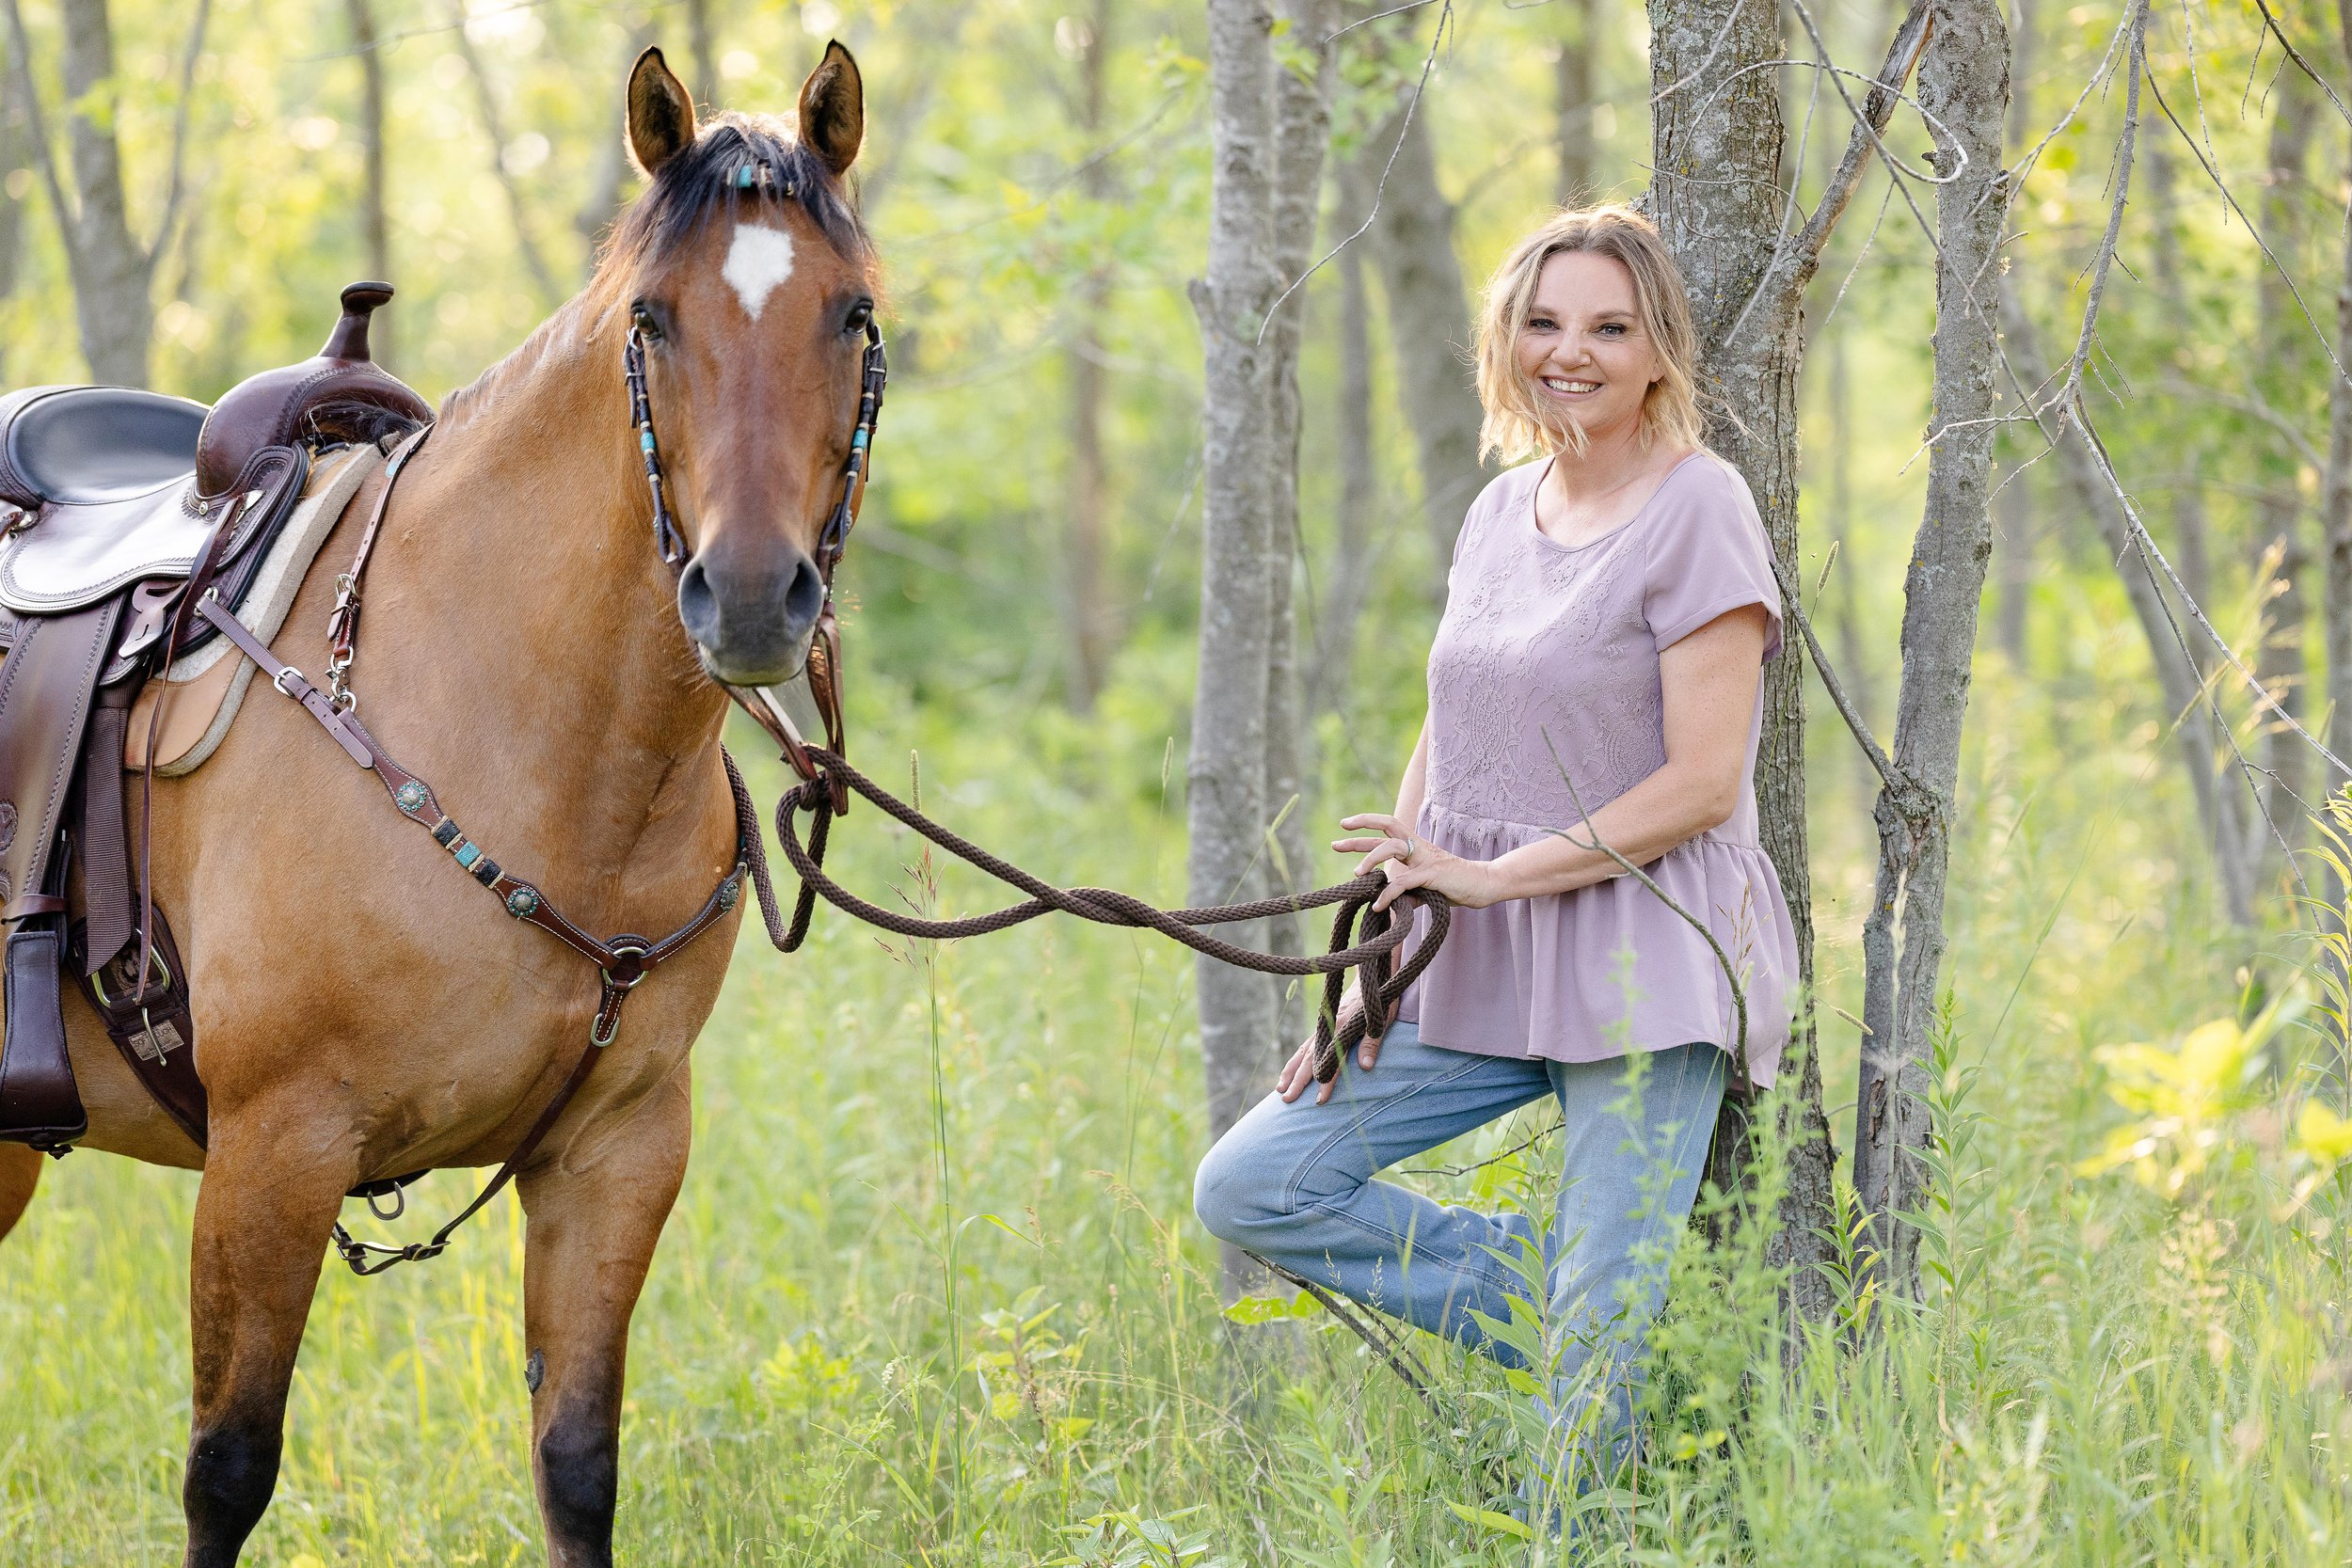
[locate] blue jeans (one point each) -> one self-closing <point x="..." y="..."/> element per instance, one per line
<point x="1294" y="1184"/>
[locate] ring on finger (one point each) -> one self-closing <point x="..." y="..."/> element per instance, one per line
<point x="1412" y="847"/>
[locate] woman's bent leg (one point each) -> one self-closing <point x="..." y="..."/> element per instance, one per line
<point x="1633" y="1165"/>
<point x="1293" y="1183"/>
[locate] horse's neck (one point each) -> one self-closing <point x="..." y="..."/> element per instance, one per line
<point x="519" y="586"/>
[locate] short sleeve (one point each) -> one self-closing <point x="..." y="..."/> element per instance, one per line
<point x="1707" y="554"/>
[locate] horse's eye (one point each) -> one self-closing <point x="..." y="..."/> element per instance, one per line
<point x="642" y="319"/>
<point x="859" y="313"/>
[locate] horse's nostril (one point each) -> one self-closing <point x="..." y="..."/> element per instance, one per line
<point x="697" y="605"/>
<point x="805" y="599"/>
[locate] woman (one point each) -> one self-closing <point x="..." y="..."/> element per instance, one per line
<point x="1595" y="685"/>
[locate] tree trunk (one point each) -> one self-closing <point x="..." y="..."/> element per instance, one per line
<point x="16" y="153"/>
<point x="1302" y="114"/>
<point x="1963" y="88"/>
<point x="1572" y="105"/>
<point x="2229" y="816"/>
<point x="1225" y="770"/>
<point x="1429" y="327"/>
<point x="493" y="125"/>
<point x="374" y="223"/>
<point x="1716" y="197"/>
<point x="2012" y="547"/>
<point x="1348" y="581"/>
<point x="2283" y="362"/>
<point x="596" y="213"/>
<point x="698" y="45"/>
<point x="1086" y="607"/>
<point x="111" y="268"/>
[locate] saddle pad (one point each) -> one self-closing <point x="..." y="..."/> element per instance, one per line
<point x="207" y="686"/>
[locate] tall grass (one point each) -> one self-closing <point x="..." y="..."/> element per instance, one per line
<point x="933" y="1294"/>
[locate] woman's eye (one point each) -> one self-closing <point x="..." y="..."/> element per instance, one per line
<point x="1613" y="329"/>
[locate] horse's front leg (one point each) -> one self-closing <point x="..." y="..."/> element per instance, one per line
<point x="595" y="1211"/>
<point x="274" y="1180"/>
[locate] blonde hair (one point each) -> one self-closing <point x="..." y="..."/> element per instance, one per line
<point x="1518" y="423"/>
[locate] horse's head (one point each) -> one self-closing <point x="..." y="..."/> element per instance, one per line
<point x="750" y="282"/>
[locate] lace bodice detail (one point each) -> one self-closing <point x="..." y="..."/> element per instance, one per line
<point x="1544" y="689"/>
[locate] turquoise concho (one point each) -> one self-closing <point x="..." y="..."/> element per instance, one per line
<point x="522" y="902"/>
<point x="410" y="796"/>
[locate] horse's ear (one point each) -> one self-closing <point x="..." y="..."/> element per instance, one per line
<point x="661" y="113"/>
<point x="832" y="109"/>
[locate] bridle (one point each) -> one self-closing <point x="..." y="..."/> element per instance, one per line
<point x="824" y="650"/>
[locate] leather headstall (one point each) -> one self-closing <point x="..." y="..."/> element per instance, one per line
<point x="824" y="652"/>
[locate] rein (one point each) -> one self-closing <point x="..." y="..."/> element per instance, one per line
<point x="827" y="782"/>
<point x="1382" y="980"/>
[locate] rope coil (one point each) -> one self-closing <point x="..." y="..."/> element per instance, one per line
<point x="1383" y="935"/>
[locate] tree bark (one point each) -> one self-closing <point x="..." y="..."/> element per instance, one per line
<point x="1963" y="88"/>
<point x="1302" y="112"/>
<point x="1086" y="633"/>
<point x="1225" y="770"/>
<point x="1572" y="105"/>
<point x="1716" y="195"/>
<point x="374" y="221"/>
<point x="2279" y="663"/>
<point x="1429" y="327"/>
<point x="1348" y="581"/>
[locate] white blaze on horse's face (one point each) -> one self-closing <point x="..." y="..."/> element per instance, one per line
<point x="757" y="264"/>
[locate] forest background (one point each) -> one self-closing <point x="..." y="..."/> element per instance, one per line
<point x="933" y="1292"/>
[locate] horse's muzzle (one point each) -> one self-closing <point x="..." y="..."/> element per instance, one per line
<point x="751" y="619"/>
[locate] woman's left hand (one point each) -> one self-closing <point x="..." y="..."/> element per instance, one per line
<point x="1410" y="862"/>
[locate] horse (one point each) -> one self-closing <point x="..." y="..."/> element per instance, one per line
<point x="360" y="1012"/>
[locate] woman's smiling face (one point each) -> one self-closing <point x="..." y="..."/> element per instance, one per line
<point x="1584" y="349"/>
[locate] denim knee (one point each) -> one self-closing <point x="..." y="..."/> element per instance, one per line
<point x="1236" y="1196"/>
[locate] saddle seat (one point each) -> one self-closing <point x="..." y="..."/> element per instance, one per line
<point x="120" y="508"/>
<point x="111" y="486"/>
<point x="87" y="445"/>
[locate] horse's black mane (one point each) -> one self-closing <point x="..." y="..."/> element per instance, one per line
<point x="700" y="183"/>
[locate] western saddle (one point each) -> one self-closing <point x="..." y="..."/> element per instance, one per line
<point x="121" y="509"/>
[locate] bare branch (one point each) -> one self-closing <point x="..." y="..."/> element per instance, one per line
<point x="21" y="61"/>
<point x="175" y="191"/>
<point x="2070" y="393"/>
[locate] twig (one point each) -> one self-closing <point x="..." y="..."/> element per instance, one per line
<point x="175" y="190"/>
<point x="1739" y="992"/>
<point x="1519" y="1148"/>
<point x="1428" y="64"/>
<point x="20" y="51"/>
<point x="2297" y="56"/>
<point x="1400" y="1359"/>
<point x="2070" y="393"/>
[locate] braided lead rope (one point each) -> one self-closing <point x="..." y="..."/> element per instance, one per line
<point x="1383" y="981"/>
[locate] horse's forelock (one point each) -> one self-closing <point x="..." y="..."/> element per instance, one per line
<point x="700" y="183"/>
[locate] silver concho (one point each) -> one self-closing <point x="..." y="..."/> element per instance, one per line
<point x="410" y="796"/>
<point x="8" y="824"/>
<point x="522" y="902"/>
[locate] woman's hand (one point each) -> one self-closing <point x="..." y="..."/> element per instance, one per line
<point x="1300" y="1070"/>
<point x="1411" y="862"/>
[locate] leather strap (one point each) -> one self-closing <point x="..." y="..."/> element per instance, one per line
<point x="110" y="903"/>
<point x="621" y="961"/>
<point x="342" y="623"/>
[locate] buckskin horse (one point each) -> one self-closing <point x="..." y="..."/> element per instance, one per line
<point x="362" y="1012"/>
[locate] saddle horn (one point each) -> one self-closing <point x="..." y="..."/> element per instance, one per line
<point x="340" y="393"/>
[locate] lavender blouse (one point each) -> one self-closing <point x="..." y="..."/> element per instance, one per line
<point x="1543" y="640"/>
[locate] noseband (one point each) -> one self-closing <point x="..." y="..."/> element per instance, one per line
<point x="824" y="654"/>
